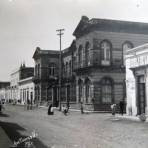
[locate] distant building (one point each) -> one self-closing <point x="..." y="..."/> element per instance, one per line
<point x="14" y="86"/>
<point x="25" y="72"/>
<point x="26" y="91"/>
<point x="4" y="84"/>
<point x="18" y="75"/>
<point x="137" y="80"/>
<point x="4" y="94"/>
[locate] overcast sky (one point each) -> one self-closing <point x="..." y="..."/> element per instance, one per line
<point x="26" y="24"/>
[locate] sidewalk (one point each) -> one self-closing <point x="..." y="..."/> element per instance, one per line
<point x="128" y="117"/>
<point x="5" y="142"/>
<point x="119" y="116"/>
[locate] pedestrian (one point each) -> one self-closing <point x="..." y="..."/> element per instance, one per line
<point x="68" y="105"/>
<point x="0" y="106"/>
<point x="82" y="108"/>
<point x="121" y="104"/>
<point x="64" y="110"/>
<point x="50" y="110"/>
<point x="113" y="108"/>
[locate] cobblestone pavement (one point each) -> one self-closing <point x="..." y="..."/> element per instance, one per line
<point x="93" y="130"/>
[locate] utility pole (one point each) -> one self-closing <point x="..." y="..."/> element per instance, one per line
<point x="60" y="33"/>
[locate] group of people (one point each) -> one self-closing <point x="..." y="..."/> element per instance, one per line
<point x="65" y="109"/>
<point x="121" y="107"/>
<point x="51" y="109"/>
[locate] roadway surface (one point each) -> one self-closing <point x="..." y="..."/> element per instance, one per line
<point x="76" y="130"/>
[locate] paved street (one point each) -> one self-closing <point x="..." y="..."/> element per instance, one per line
<point x="93" y="130"/>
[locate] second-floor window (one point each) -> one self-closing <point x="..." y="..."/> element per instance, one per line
<point x="105" y="53"/>
<point x="70" y="68"/>
<point x="87" y="54"/>
<point x="67" y="68"/>
<point x="37" y="70"/>
<point x="80" y="55"/>
<point x="106" y="89"/>
<point x="52" y="69"/>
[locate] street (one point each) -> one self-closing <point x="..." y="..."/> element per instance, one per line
<point x="91" y="130"/>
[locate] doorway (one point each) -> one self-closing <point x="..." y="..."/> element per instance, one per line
<point x="141" y="95"/>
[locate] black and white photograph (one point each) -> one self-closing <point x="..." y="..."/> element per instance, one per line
<point x="73" y="73"/>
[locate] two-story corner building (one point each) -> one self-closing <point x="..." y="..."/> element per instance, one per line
<point x="99" y="65"/>
<point x="45" y="75"/>
<point x="137" y="80"/>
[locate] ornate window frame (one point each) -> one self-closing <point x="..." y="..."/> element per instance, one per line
<point x="80" y="55"/>
<point x="87" y="53"/>
<point x="106" y="53"/>
<point x="107" y="81"/>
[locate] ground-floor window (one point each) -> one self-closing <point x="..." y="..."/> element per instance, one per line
<point x="73" y="93"/>
<point x="80" y="83"/>
<point x="87" y="89"/>
<point x="106" y="89"/>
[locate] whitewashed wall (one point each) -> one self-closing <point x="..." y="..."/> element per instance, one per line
<point x="130" y="90"/>
<point x="136" y="58"/>
<point x="24" y="86"/>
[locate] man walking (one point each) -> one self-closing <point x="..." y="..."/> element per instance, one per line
<point x="121" y="104"/>
<point x="82" y="109"/>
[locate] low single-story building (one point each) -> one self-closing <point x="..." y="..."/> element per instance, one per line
<point x="137" y="80"/>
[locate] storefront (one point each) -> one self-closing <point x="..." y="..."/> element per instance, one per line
<point x="137" y="80"/>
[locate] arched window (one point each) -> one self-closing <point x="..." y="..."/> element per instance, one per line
<point x="66" y="69"/>
<point x="87" y="53"/>
<point x="51" y="68"/>
<point x="80" y="55"/>
<point x="106" y="90"/>
<point x="80" y="83"/>
<point x="105" y="53"/>
<point x="38" y="70"/>
<point x="126" y="46"/>
<point x="87" y="89"/>
<point x="70" y="68"/>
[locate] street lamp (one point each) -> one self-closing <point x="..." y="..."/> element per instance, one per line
<point x="60" y="33"/>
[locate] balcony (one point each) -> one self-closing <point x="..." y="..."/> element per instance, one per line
<point x="36" y="79"/>
<point x="82" y="65"/>
<point x="52" y="78"/>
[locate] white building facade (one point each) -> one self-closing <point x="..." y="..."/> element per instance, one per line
<point x="26" y="91"/>
<point x="137" y="80"/>
<point x="14" y="85"/>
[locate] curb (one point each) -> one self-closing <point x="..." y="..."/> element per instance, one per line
<point x="132" y="118"/>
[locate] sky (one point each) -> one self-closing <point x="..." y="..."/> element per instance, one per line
<point x="27" y="24"/>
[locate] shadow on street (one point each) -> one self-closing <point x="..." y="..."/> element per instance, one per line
<point x="4" y="115"/>
<point x="12" y="130"/>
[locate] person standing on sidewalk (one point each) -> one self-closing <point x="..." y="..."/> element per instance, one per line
<point x="50" y="110"/>
<point x="64" y="110"/>
<point x="121" y="104"/>
<point x="113" y="108"/>
<point x="0" y="106"/>
<point x="82" y="108"/>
